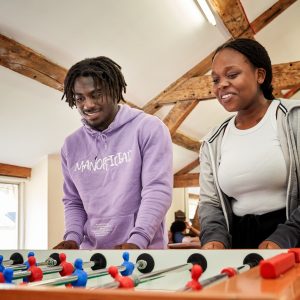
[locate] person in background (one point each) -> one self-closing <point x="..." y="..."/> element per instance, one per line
<point x="249" y="165"/>
<point x="179" y="233"/>
<point x="117" y="167"/>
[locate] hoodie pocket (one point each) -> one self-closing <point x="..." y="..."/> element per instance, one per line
<point x="106" y="233"/>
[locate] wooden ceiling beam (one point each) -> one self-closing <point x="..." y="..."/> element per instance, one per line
<point x="14" y="171"/>
<point x="292" y="91"/>
<point x="186" y="180"/>
<point x="186" y="142"/>
<point x="190" y="167"/>
<point x="285" y="76"/>
<point x="196" y="88"/>
<point x="200" y="69"/>
<point x="178" y="114"/>
<point x="25" y="61"/>
<point x="270" y="14"/>
<point x="233" y="16"/>
<point x="29" y="63"/>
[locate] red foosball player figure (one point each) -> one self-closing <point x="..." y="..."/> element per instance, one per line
<point x="123" y="281"/>
<point x="36" y="272"/>
<point x="67" y="268"/>
<point x="194" y="284"/>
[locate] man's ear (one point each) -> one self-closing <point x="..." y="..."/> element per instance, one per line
<point x="261" y="75"/>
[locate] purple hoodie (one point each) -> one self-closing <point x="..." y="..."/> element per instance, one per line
<point x="118" y="182"/>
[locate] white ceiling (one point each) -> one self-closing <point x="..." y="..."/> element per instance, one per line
<point x="155" y="42"/>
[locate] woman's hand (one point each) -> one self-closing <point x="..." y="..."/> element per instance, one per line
<point x="268" y="245"/>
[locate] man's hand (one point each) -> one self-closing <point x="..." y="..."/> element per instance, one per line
<point x="213" y="245"/>
<point x="127" y="246"/>
<point x="67" y="245"/>
<point x="268" y="245"/>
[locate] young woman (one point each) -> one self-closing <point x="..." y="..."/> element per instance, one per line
<point x="249" y="169"/>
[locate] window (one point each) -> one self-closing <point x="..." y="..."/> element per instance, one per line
<point x="192" y="201"/>
<point x="10" y="215"/>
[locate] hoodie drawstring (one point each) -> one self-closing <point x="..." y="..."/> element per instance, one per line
<point x="100" y="140"/>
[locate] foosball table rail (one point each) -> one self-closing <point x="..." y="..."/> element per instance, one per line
<point x="244" y="286"/>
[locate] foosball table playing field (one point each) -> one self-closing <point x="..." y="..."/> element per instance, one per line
<point x="150" y="274"/>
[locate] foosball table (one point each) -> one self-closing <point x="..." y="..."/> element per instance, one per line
<point x="150" y="274"/>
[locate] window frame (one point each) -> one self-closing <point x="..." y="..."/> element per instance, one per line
<point x="21" y="206"/>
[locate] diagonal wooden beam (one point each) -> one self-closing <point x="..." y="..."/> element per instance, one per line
<point x="203" y="67"/>
<point x="186" y="180"/>
<point x="292" y="91"/>
<point x="14" y="171"/>
<point x="233" y="16"/>
<point x="178" y="113"/>
<point x="25" y="61"/>
<point x="285" y="76"/>
<point x="269" y="15"/>
<point x="184" y="141"/>
<point x="191" y="166"/>
<point x="195" y="88"/>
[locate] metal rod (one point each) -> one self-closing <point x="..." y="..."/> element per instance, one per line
<point x="47" y="270"/>
<point x="138" y="279"/>
<point x="7" y="262"/>
<point x="88" y="264"/>
<point x="50" y="262"/>
<point x="72" y="278"/>
<point x="217" y="278"/>
<point x="17" y="267"/>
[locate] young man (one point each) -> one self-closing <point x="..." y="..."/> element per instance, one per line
<point x="117" y="167"/>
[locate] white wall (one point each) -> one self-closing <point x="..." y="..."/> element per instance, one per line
<point x="55" y="205"/>
<point x="35" y="208"/>
<point x="43" y="209"/>
<point x="178" y="203"/>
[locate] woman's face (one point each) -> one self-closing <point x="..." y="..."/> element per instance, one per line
<point x="236" y="82"/>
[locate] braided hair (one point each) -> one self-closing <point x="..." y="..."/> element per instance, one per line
<point x="105" y="73"/>
<point x="258" y="57"/>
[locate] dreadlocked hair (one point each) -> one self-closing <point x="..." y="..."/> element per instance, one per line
<point x="105" y="73"/>
<point x="258" y="57"/>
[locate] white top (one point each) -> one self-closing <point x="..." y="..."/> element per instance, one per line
<point x="252" y="169"/>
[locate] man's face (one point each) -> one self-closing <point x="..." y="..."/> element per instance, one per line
<point x="93" y="103"/>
